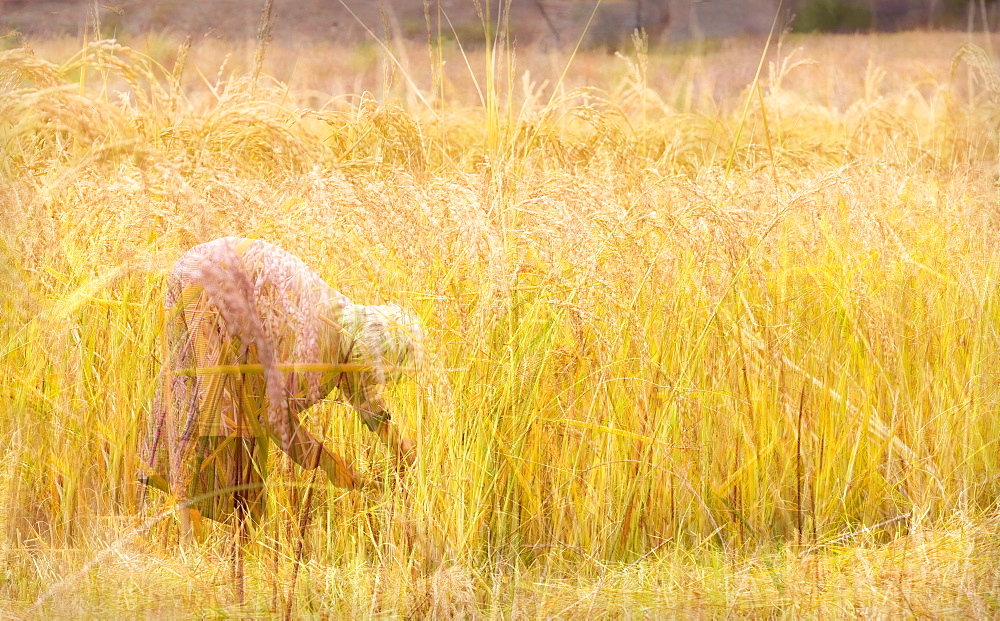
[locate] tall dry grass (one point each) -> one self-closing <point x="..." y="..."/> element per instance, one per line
<point x="700" y="343"/>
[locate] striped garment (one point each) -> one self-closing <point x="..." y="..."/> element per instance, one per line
<point x="246" y="321"/>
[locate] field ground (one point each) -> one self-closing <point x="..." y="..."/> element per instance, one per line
<point x="703" y="340"/>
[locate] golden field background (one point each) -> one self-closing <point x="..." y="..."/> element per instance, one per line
<point x="712" y="330"/>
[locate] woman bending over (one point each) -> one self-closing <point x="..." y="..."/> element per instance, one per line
<point x="255" y="338"/>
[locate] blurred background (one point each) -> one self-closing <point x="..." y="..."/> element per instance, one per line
<point x="554" y="22"/>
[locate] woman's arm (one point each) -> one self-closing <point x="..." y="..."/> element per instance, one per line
<point x="308" y="452"/>
<point x="368" y="402"/>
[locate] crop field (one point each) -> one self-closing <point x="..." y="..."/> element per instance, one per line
<point x="711" y="330"/>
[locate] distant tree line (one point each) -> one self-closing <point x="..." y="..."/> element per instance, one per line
<point x="891" y="15"/>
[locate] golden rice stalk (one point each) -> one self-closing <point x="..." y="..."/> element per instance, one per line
<point x="979" y="62"/>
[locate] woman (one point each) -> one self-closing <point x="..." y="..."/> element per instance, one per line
<point x="254" y="338"/>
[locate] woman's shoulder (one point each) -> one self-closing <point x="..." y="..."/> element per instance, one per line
<point x="253" y="254"/>
<point x="270" y="269"/>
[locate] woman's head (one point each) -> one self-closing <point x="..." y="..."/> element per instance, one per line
<point x="388" y="337"/>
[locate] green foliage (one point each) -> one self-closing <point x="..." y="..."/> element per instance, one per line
<point x="832" y="16"/>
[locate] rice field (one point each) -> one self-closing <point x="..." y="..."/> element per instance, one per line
<point x="712" y="329"/>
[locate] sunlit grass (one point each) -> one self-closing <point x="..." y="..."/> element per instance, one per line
<point x="698" y="345"/>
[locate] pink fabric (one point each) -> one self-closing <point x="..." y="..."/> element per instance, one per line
<point x="236" y="302"/>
